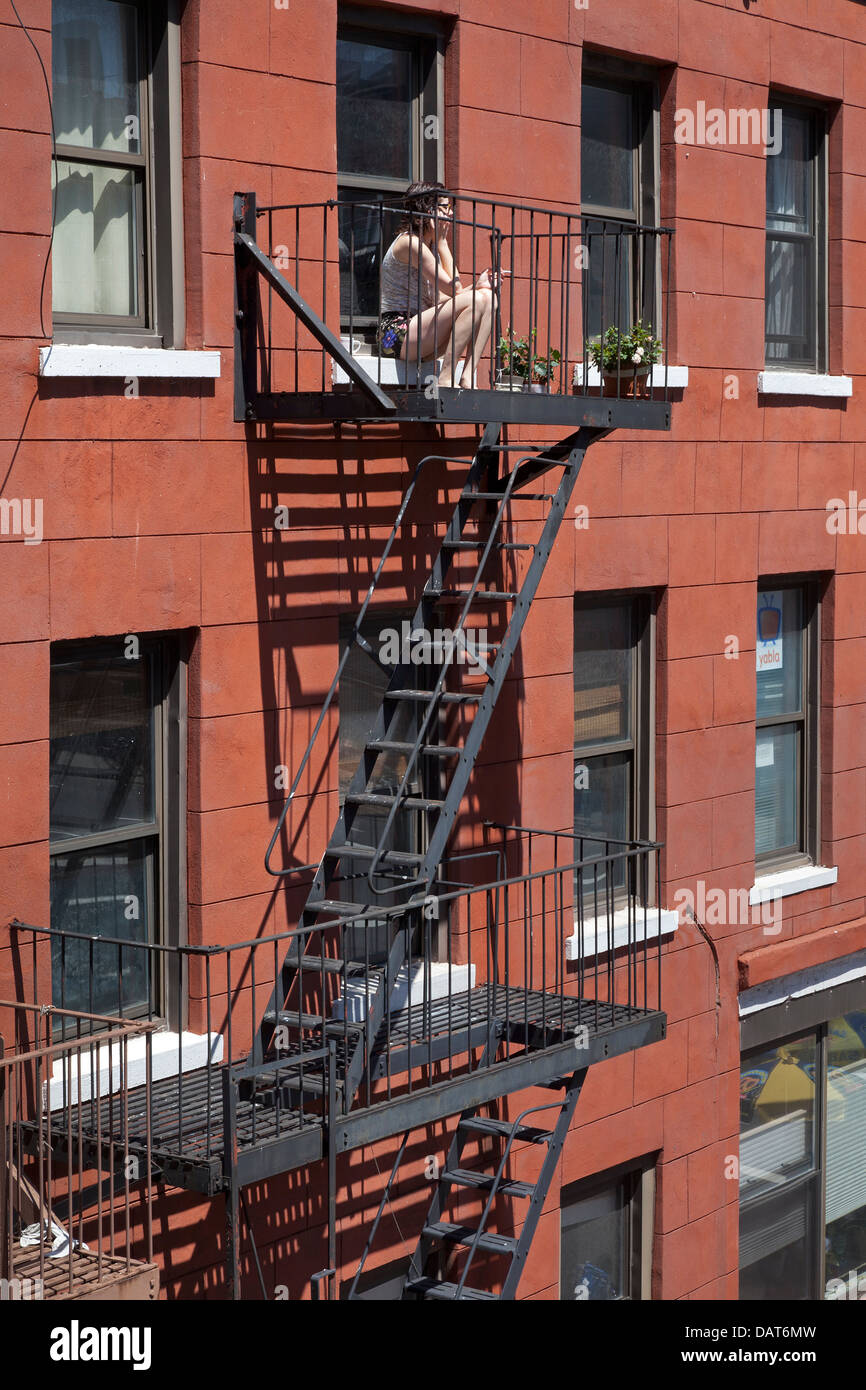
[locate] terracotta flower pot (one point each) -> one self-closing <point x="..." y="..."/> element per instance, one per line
<point x="632" y="381"/>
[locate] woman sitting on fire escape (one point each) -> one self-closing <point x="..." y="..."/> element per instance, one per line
<point x="438" y="311"/>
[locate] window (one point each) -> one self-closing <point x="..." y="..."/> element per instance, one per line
<point x="116" y="798"/>
<point x="786" y="761"/>
<point x="389" y="104"/>
<point x="618" y="182"/>
<point x="803" y="1156"/>
<point x="796" y="294"/>
<point x="612" y="722"/>
<point x="606" y="1244"/>
<point x="116" y="258"/>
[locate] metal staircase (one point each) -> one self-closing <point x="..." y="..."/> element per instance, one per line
<point x="488" y="1177"/>
<point x="435" y="732"/>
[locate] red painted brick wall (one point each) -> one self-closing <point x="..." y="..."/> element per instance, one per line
<point x="157" y="515"/>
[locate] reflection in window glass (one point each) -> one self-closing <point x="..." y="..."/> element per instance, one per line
<point x="94" y="54"/>
<point x="595" y="1253"/>
<point x="102" y="745"/>
<point x="93" y="259"/>
<point x="603" y="667"/>
<point x="374" y="109"/>
<point x="777" y="1115"/>
<point x="845" y="1176"/>
<point x="780" y="652"/>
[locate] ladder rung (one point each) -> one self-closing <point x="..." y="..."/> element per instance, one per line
<point x="336" y="908"/>
<point x="448" y="697"/>
<point x="464" y="1177"/>
<point x="331" y="965"/>
<point x="430" y="1288"/>
<point x="291" y="1018"/>
<point x="412" y="803"/>
<point x="482" y="541"/>
<point x="465" y="1235"/>
<point x="516" y="496"/>
<point x="430" y="750"/>
<point x="391" y="856"/>
<point x="480" y="596"/>
<point x="527" y="1134"/>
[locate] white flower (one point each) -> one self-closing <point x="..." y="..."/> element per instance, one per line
<point x="638" y="357"/>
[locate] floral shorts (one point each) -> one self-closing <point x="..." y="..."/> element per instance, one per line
<point x="395" y="326"/>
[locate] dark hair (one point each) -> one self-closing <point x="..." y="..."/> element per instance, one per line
<point x="419" y="203"/>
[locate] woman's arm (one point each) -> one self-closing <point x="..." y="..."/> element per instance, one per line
<point x="406" y="251"/>
<point x="446" y="259"/>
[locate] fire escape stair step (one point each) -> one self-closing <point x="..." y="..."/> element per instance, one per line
<point x="335" y="907"/>
<point x="448" y="697"/>
<point x="411" y="803"/>
<point x="526" y="1134"/>
<point x="315" y="965"/>
<point x="465" y="1177"/>
<point x="515" y="496"/>
<point x="430" y="750"/>
<point x="481" y="541"/>
<point x="431" y="1288"/>
<point x="397" y="857"/>
<point x="468" y="1235"/>
<point x="479" y="596"/>
<point x="291" y="1018"/>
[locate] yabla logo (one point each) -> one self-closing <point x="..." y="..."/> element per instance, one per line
<point x="77" y="1343"/>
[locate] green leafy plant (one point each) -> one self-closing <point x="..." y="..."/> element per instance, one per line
<point x="518" y="357"/>
<point x="633" y="350"/>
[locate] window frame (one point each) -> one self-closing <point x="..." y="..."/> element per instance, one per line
<point x="642" y="605"/>
<point x="639" y="1176"/>
<point x="792" y="1020"/>
<point x="641" y="83"/>
<point x="166" y="875"/>
<point x="808" y="721"/>
<point x="819" y="309"/>
<point x="401" y="31"/>
<point x="161" y="321"/>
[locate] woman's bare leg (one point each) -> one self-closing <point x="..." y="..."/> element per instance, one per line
<point x="461" y="325"/>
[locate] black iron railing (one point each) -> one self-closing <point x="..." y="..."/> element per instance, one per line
<point x="558" y="941"/>
<point x="561" y="282"/>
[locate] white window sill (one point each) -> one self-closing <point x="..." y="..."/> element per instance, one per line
<point x="646" y="925"/>
<point x="677" y="377"/>
<point x="784" y="884"/>
<point x="93" y="359"/>
<point x="167" y="1059"/>
<point x="803" y="384"/>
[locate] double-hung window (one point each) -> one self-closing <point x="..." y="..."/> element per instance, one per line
<point x="606" y="1240"/>
<point x="389" y="116"/>
<point x="116" y="808"/>
<point x="786" y="757"/>
<point x="117" y="269"/>
<point x="618" y="185"/>
<point x="796" y="263"/>
<point x="612" y="721"/>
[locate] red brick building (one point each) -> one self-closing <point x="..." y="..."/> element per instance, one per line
<point x="185" y="546"/>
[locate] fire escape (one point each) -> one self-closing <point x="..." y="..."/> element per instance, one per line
<point x="423" y="984"/>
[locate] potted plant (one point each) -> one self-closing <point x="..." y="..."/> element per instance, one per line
<point x="513" y="373"/>
<point x="543" y="369"/>
<point x="624" y="358"/>
<point x="522" y="368"/>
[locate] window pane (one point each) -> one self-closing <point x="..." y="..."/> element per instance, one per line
<point x="777" y="800"/>
<point x="603" y="673"/>
<point x="94" y="256"/>
<point x="779" y="652"/>
<point x="789" y="176"/>
<point x="607" y="143"/>
<point x="609" y="279"/>
<point x="364" y="236"/>
<point x="103" y="893"/>
<point x="602" y="809"/>
<point x="374" y="109"/>
<point x="846" y="1152"/>
<point x="594" y="1258"/>
<point x="777" y="1247"/>
<point x="102" y="745"/>
<point x="94" y="48"/>
<point x="777" y="1115"/>
<point x="790" y="301"/>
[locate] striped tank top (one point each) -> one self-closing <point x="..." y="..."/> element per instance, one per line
<point x="398" y="287"/>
